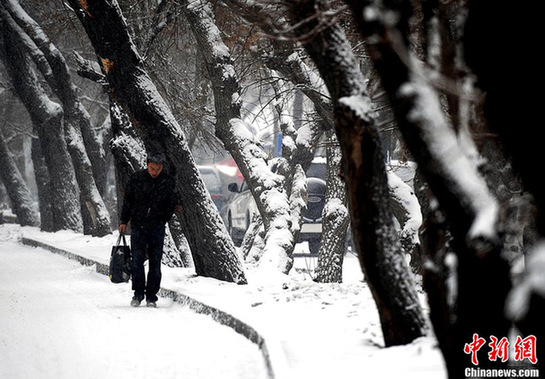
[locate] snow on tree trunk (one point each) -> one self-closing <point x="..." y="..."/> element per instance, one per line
<point x="252" y="246"/>
<point x="380" y="252"/>
<point x="53" y="67"/>
<point x="298" y="148"/>
<point x="335" y="218"/>
<point x="213" y="250"/>
<point x="18" y="192"/>
<point x="267" y="188"/>
<point x="483" y="275"/>
<point x="47" y="117"/>
<point x="66" y="90"/>
<point x="91" y="198"/>
<point x="406" y="209"/>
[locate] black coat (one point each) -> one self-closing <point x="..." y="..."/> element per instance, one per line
<point x="149" y="201"/>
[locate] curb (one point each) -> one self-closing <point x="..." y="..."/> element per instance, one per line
<point x="197" y="306"/>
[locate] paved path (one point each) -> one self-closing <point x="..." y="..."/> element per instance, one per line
<point x="61" y="320"/>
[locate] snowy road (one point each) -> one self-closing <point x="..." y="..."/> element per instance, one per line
<point x="61" y="320"/>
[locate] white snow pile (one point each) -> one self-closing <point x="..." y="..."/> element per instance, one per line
<point x="314" y="330"/>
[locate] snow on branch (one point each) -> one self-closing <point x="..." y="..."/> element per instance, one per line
<point x="460" y="173"/>
<point x="256" y="158"/>
<point x="212" y="33"/>
<point x="359" y="104"/>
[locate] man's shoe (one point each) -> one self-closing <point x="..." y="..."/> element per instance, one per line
<point x="151" y="304"/>
<point x="135" y="302"/>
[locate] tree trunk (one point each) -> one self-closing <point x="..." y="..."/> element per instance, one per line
<point x="60" y="80"/>
<point x="53" y="67"/>
<point x="18" y="192"/>
<point x="43" y="185"/>
<point x="483" y="276"/>
<point x="267" y="188"/>
<point x="213" y="251"/>
<point x="335" y="218"/>
<point x="406" y="209"/>
<point x="380" y="252"/>
<point x="438" y="274"/>
<point x="252" y="243"/>
<point x="47" y="117"/>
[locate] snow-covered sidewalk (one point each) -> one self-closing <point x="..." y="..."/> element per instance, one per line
<point x="60" y="320"/>
<point x="312" y="330"/>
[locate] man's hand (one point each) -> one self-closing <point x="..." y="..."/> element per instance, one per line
<point x="122" y="228"/>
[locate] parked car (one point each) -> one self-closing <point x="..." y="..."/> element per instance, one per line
<point x="241" y="209"/>
<point x="212" y="181"/>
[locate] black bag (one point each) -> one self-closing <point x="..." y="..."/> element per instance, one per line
<point x="120" y="261"/>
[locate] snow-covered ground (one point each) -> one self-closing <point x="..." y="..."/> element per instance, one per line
<point x="59" y="319"/>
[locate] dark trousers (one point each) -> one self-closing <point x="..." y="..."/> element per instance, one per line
<point x="146" y="243"/>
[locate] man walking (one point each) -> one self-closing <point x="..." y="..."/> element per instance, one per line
<point x="149" y="203"/>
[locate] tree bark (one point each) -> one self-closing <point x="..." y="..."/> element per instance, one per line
<point x="47" y="117"/>
<point x="183" y="258"/>
<point x="267" y="188"/>
<point x="60" y="80"/>
<point x="380" y="252"/>
<point x="18" y="192"/>
<point x="43" y="185"/>
<point x="406" y="209"/>
<point x="335" y="218"/>
<point x="53" y="67"/>
<point x="213" y="251"/>
<point x="483" y="275"/>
